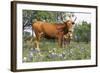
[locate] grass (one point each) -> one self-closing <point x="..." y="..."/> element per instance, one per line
<point x="51" y="52"/>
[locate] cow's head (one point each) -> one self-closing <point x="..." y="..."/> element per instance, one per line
<point x="69" y="24"/>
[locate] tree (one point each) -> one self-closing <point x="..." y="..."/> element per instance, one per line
<point x="29" y="16"/>
<point x="50" y="16"/>
<point x="82" y="32"/>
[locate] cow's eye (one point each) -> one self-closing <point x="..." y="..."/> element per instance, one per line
<point x="73" y="23"/>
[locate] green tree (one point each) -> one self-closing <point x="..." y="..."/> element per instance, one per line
<point x="49" y="16"/>
<point x="82" y="32"/>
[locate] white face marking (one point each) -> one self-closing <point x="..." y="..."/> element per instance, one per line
<point x="71" y="30"/>
<point x="70" y="34"/>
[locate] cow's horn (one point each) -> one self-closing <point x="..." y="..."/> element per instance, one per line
<point x="75" y="19"/>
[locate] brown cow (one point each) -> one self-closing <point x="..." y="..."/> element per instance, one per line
<point x="52" y="30"/>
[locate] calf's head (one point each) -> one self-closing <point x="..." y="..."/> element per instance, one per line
<point x="69" y="26"/>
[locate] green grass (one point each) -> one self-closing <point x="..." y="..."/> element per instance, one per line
<point x="51" y="52"/>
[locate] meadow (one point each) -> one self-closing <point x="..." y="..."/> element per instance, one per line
<point x="51" y="52"/>
<point x="78" y="49"/>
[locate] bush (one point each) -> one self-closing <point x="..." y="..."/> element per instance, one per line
<point x="82" y="32"/>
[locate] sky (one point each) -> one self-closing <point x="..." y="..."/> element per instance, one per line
<point x="83" y="16"/>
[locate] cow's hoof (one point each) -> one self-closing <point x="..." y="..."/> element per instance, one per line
<point x="37" y="49"/>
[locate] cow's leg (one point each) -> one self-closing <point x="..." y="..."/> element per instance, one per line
<point x="37" y="45"/>
<point x="39" y="38"/>
<point x="37" y="41"/>
<point x="60" y="40"/>
<point x="66" y="39"/>
<point x="63" y="42"/>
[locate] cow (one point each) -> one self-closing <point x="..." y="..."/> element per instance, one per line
<point x="59" y="31"/>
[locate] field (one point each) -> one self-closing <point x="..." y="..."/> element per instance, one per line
<point x="78" y="49"/>
<point x="51" y="52"/>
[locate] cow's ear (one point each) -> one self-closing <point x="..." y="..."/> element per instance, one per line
<point x="65" y="22"/>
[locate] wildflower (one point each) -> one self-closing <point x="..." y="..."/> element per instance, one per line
<point x="30" y="56"/>
<point x="24" y="59"/>
<point x="71" y="51"/>
<point x="81" y="49"/>
<point x="54" y="49"/>
<point x="53" y="55"/>
<point x="50" y="51"/>
<point x="61" y="56"/>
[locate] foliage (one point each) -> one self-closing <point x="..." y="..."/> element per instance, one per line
<point x="30" y="16"/>
<point x="82" y="32"/>
<point x="26" y="34"/>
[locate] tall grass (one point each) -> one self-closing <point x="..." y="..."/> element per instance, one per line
<point x="50" y="51"/>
